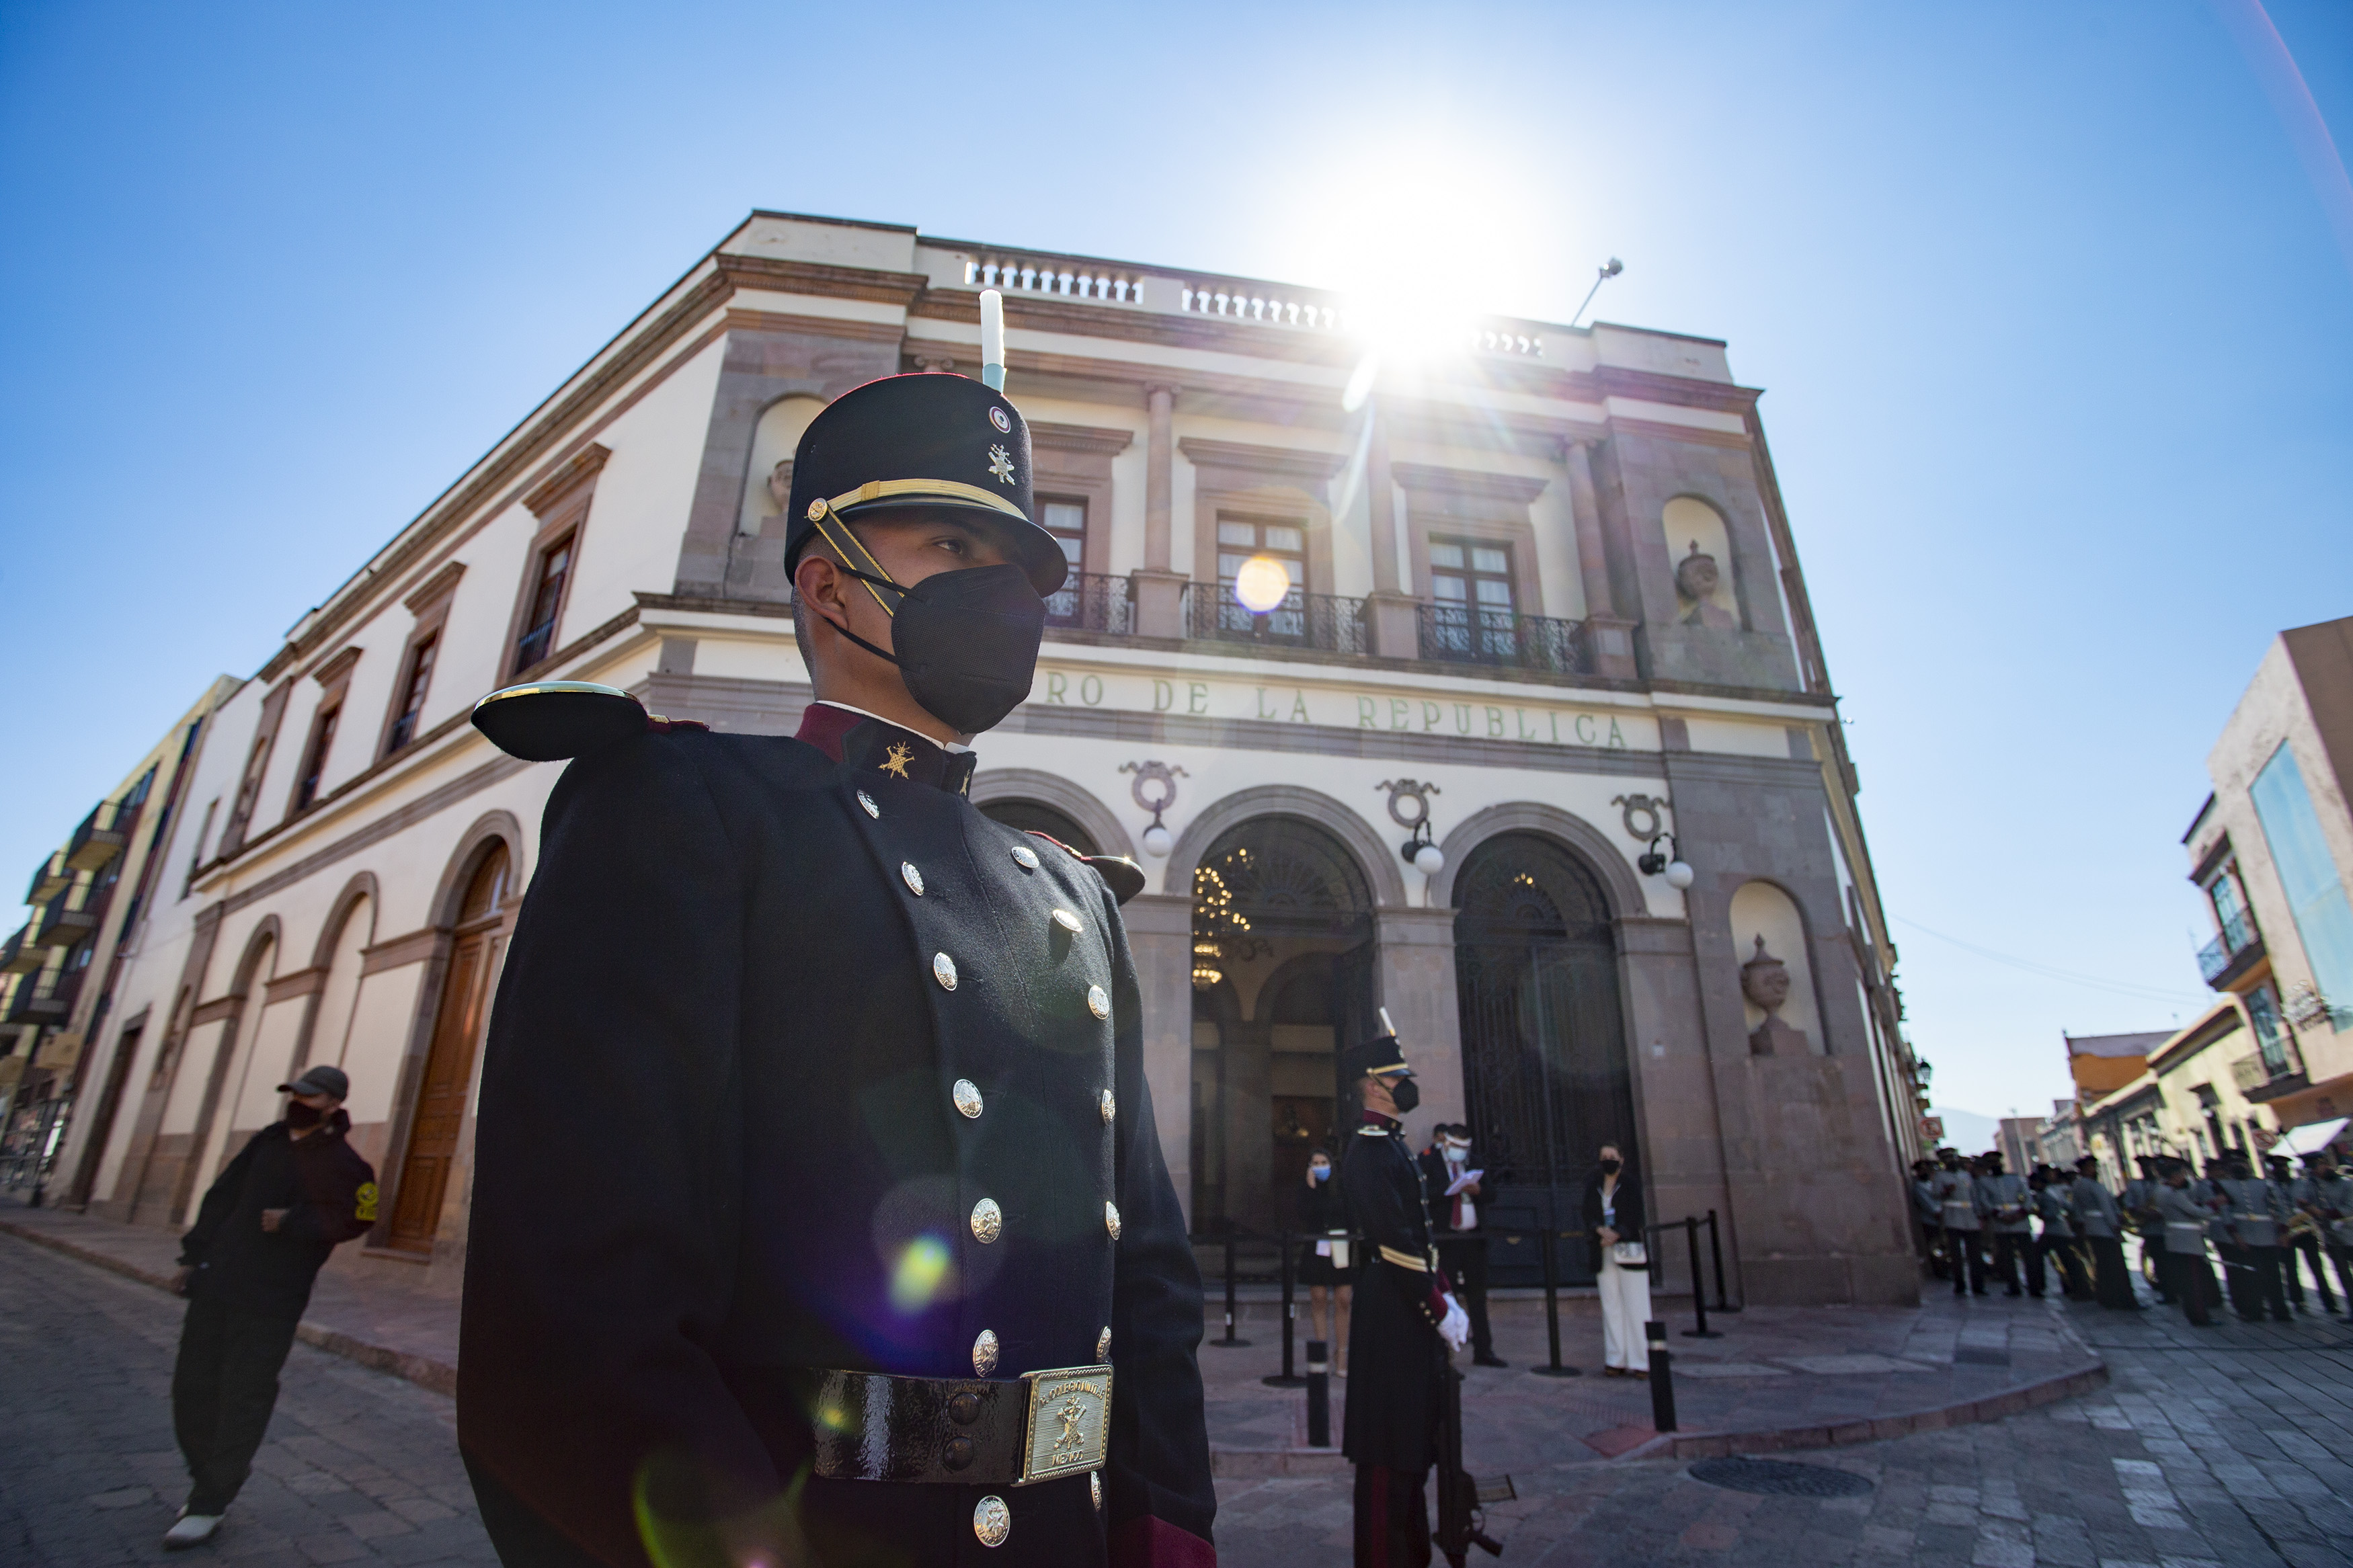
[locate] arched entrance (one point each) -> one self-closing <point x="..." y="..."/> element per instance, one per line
<point x="1283" y="977"/>
<point x="440" y="1111"/>
<point x="1545" y="1076"/>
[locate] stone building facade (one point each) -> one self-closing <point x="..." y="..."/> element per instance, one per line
<point x="1545" y="614"/>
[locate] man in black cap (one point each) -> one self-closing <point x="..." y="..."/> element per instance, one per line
<point x="1406" y="1316"/>
<point x="245" y="1266"/>
<point x="750" y="968"/>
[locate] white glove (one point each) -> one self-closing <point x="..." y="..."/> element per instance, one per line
<point x="1456" y="1330"/>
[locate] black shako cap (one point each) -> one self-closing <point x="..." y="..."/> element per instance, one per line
<point x="930" y="440"/>
<point x="1378" y="1059"/>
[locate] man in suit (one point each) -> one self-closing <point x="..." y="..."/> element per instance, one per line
<point x="1447" y="1175"/>
<point x="751" y="968"/>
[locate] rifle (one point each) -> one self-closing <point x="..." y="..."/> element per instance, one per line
<point x="1460" y="1522"/>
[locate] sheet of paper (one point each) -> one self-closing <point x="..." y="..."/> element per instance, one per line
<point x="1463" y="1181"/>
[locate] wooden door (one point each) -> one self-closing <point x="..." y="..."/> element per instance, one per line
<point x="440" y="1109"/>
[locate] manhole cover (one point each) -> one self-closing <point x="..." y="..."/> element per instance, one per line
<point x="1779" y="1477"/>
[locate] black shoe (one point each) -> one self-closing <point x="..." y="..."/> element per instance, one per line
<point x="1489" y="1361"/>
<point x="1979" y="1291"/>
<point x="2011" y="1291"/>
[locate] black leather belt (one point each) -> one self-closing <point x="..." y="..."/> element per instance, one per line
<point x="874" y="1427"/>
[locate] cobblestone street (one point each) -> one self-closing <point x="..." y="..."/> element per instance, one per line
<point x="2226" y="1449"/>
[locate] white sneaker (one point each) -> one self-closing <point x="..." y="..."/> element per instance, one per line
<point x="190" y="1529"/>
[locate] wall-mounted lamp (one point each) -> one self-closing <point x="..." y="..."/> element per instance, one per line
<point x="1409" y="808"/>
<point x="1155" y="790"/>
<point x="1669" y="863"/>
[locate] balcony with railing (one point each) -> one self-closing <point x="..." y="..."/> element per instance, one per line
<point x="1094" y="601"/>
<point x="103" y="835"/>
<point x="51" y="878"/>
<point x="1467" y="634"/>
<point x="39" y="999"/>
<point x="1321" y="623"/>
<point x="2232" y="953"/>
<point x="73" y="916"/>
<point x="21" y="954"/>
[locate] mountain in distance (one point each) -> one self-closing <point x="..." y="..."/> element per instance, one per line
<point x="1966" y="1129"/>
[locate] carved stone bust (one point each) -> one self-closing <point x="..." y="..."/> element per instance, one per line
<point x="1696" y="580"/>
<point x="780" y="483"/>
<point x="1765" y="981"/>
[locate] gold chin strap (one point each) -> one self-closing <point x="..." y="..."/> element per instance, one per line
<point x="821" y="514"/>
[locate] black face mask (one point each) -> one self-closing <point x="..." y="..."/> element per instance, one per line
<point x="1609" y="1167"/>
<point x="967" y="642"/>
<point x="1407" y="1094"/>
<point x="298" y="1115"/>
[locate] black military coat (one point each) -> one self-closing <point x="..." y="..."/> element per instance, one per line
<point x="1394" y="1354"/>
<point x="774" y="1034"/>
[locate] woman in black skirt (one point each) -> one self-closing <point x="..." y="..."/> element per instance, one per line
<point x="1321" y="1214"/>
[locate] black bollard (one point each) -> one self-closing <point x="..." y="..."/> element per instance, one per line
<point x="1319" y="1397"/>
<point x="1552" y="1314"/>
<point x="1663" y="1378"/>
<point x="1229" y="1343"/>
<point x="1286" y="1379"/>
<point x="1699" y="1291"/>
<point x="1715" y="1255"/>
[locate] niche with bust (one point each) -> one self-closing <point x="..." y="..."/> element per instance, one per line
<point x="1701" y="547"/>
<point x="1777" y="981"/>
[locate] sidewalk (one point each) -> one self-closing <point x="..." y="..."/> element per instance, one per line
<point x="1779" y="1378"/>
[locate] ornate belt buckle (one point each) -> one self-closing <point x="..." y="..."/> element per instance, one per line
<point x="1067" y="1426"/>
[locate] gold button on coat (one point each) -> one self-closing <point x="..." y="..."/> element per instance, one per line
<point x="966" y="1094"/>
<point x="1098" y="1002"/>
<point x="984" y="1354"/>
<point x="1068" y="922"/>
<point x="943" y="971"/>
<point x="988" y="1222"/>
<point x="1024" y="857"/>
<point x="915" y="878"/>
<point x="992" y="1522"/>
<point x="1111" y="1219"/>
<point x="1110" y="1106"/>
<point x="1103" y="1346"/>
<point x="868" y="802"/>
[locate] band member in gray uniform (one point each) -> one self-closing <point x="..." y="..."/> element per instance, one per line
<point x="2056" y="1244"/>
<point x="2004" y="1201"/>
<point x="2140" y="1204"/>
<point x="2256" y="1212"/>
<point x="2185" y="1213"/>
<point x="1956" y="1206"/>
<point x="1926" y="1217"/>
<point x="755" y="968"/>
<point x="2102" y="1225"/>
<point x="2302" y="1237"/>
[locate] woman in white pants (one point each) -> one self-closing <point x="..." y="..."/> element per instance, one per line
<point x="1613" y="1219"/>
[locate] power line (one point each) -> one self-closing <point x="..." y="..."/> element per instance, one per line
<point x="2048" y="971"/>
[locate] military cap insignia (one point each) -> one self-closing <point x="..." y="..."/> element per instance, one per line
<point x="895" y="761"/>
<point x="1000" y="463"/>
<point x="998" y="417"/>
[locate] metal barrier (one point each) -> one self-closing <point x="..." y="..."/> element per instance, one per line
<point x="1285" y="1378"/>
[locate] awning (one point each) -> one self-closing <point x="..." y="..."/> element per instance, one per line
<point x="2309" y="1139"/>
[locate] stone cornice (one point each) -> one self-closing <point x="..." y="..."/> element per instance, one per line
<point x="1292" y="463"/>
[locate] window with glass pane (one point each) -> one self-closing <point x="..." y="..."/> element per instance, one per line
<point x="1067" y="521"/>
<point x="314" y="763"/>
<point x="546" y="601"/>
<point x="1471" y="584"/>
<point x="412" y="693"/>
<point x="2271" y="1039"/>
<point x="1240" y="539"/>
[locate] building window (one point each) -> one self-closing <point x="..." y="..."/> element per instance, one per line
<point x="314" y="757"/>
<point x="2271" y="1035"/>
<point x="538" y="638"/>
<point x="2230" y="915"/>
<point x="1471" y="584"/>
<point x="412" y="693"/>
<point x="1242" y="541"/>
<point x="1067" y="521"/>
<point x="2307" y="871"/>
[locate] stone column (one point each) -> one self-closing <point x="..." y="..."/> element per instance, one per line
<point x="1609" y="636"/>
<point x="1396" y="631"/>
<point x="1416" y="972"/>
<point x="1160" y="938"/>
<point x="1160" y="591"/>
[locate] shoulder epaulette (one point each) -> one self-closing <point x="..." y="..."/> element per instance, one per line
<point x="1372" y="1132"/>
<point x="549" y="720"/>
<point x="1122" y="876"/>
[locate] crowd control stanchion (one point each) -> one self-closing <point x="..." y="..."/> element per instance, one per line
<point x="1285" y="1378"/>
<point x="1552" y="1314"/>
<point x="1319" y="1397"/>
<point x="1716" y="1256"/>
<point x="1663" y="1378"/>
<point x="1229" y="1343"/>
<point x="1699" y="1289"/>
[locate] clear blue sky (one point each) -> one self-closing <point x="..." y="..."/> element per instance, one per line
<point x="2050" y="303"/>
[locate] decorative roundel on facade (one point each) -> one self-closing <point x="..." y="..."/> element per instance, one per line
<point x="988" y="1221"/>
<point x="984" y="1354"/>
<point x="966" y="1094"/>
<point x="1111" y="1219"/>
<point x="1098" y="1002"/>
<point x="915" y="878"/>
<point x="992" y="1522"/>
<point x="943" y="971"/>
<point x="997" y="417"/>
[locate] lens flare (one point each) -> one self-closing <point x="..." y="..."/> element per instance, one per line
<point x="916" y="1278"/>
<point x="1262" y="585"/>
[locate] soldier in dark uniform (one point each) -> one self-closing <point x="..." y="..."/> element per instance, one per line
<point x="751" y="968"/>
<point x="1405" y="1318"/>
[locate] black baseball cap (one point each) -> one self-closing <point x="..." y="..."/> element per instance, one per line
<point x="320" y="1079"/>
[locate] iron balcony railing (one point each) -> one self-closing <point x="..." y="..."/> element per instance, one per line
<point x="1466" y="634"/>
<point x="1326" y="623"/>
<point x="2238" y="935"/>
<point x="1094" y="601"/>
<point x="101" y="836"/>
